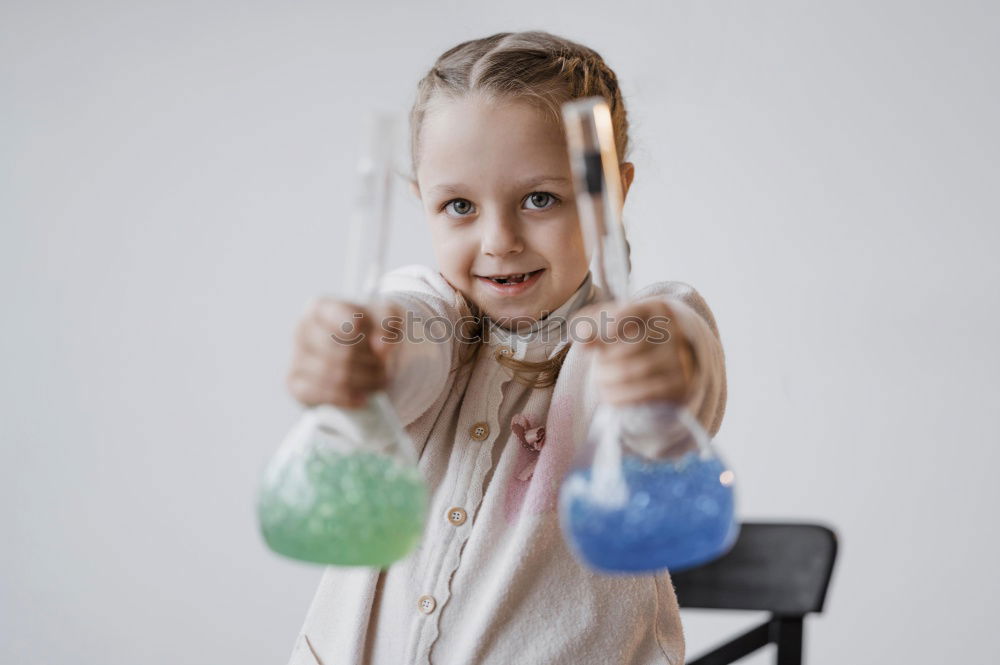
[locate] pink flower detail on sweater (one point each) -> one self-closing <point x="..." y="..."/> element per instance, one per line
<point x="532" y="438"/>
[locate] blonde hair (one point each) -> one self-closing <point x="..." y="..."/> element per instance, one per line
<point x="536" y="67"/>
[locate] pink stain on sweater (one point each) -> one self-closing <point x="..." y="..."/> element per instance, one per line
<point x="542" y="459"/>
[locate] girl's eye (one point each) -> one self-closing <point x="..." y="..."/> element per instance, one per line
<point x="541" y="199"/>
<point x="461" y="207"/>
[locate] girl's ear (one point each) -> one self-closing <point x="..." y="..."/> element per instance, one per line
<point x="628" y="174"/>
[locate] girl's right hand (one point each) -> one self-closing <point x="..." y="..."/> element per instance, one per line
<point x="338" y="356"/>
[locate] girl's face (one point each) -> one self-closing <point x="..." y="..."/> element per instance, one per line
<point x="495" y="182"/>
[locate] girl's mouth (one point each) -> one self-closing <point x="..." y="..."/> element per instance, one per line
<point x="510" y="285"/>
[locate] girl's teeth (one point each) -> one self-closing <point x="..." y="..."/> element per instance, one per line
<point x="511" y="279"/>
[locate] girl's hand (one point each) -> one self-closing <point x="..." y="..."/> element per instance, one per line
<point x="338" y="355"/>
<point x="642" y="354"/>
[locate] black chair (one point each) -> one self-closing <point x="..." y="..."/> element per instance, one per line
<point x="784" y="569"/>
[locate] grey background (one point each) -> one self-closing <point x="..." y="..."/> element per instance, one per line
<point x="174" y="183"/>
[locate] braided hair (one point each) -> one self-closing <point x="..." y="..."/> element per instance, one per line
<point x="533" y="66"/>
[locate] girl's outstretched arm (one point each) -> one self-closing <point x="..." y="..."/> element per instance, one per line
<point x="403" y="344"/>
<point x="662" y="345"/>
<point x="695" y="321"/>
<point x="419" y="338"/>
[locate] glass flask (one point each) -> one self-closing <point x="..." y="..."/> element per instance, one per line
<point x="646" y="490"/>
<point x="344" y="487"/>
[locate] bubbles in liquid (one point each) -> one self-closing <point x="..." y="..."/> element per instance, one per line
<point x="354" y="509"/>
<point x="679" y="514"/>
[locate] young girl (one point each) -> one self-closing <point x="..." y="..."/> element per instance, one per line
<point x="497" y="409"/>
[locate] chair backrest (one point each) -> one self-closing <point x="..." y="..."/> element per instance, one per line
<point x="781" y="568"/>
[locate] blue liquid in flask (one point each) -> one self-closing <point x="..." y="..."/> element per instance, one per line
<point x="678" y="514"/>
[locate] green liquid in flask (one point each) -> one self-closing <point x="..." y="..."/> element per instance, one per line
<point x="359" y="508"/>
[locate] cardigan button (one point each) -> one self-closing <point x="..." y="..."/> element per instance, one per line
<point x="505" y="351"/>
<point x="457" y="516"/>
<point x="426" y="604"/>
<point x="479" y="431"/>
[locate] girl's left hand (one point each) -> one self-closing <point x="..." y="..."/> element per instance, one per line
<point x="642" y="354"/>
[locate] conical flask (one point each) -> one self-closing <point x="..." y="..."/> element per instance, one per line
<point x="646" y="491"/>
<point x="343" y="487"/>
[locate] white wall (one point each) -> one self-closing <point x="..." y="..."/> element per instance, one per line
<point x="173" y="185"/>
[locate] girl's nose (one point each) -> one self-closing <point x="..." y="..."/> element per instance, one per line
<point x="501" y="236"/>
